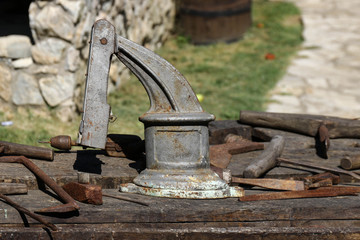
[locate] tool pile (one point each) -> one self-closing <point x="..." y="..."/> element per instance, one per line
<point x="320" y="128"/>
<point x="231" y="141"/>
<point x="82" y="191"/>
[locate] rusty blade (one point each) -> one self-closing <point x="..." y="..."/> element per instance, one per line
<point x="70" y="202"/>
<point x="316" y="193"/>
<point x="278" y="184"/>
<point x="322" y="141"/>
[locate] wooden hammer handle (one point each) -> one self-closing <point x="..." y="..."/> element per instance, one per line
<point x="267" y="160"/>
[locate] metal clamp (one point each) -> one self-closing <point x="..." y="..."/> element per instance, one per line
<point x="176" y="127"/>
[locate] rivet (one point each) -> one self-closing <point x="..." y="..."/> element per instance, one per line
<point x="103" y="41"/>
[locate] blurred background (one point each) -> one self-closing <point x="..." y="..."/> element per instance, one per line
<point x="232" y="52"/>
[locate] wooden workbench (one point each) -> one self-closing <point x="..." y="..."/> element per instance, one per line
<point x="318" y="218"/>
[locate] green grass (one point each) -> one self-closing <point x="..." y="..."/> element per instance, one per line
<point x="231" y="77"/>
<point x="29" y="127"/>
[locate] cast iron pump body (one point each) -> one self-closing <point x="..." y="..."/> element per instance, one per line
<point x="176" y="127"/>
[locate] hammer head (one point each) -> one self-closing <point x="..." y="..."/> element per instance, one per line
<point x="85" y="193"/>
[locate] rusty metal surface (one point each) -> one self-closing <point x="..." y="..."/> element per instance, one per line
<point x="70" y="202"/>
<point x="85" y="193"/>
<point x="316" y="193"/>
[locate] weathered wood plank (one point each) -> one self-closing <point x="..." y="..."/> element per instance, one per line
<point x="106" y="171"/>
<point x="163" y="210"/>
<point x="120" y="231"/>
<point x="181" y="218"/>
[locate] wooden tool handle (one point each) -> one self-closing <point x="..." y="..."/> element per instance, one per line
<point x="350" y="163"/>
<point x="267" y="160"/>
<point x="302" y="123"/>
<point x="15" y="149"/>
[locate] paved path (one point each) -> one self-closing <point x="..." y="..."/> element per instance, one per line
<point x="324" y="77"/>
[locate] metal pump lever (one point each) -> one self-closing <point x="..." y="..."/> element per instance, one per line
<point x="176" y="132"/>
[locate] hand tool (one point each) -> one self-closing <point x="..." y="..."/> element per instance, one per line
<point x="315" y="193"/>
<point x="267" y="159"/>
<point x="13" y="188"/>
<point x="303" y="123"/>
<point x="322" y="141"/>
<point x="117" y="145"/>
<point x="220" y="155"/>
<point x="350" y="163"/>
<point x="176" y="127"/>
<point x="314" y="166"/>
<point x="70" y="202"/>
<point x="278" y="184"/>
<point x="8" y="148"/>
<point x="27" y="212"/>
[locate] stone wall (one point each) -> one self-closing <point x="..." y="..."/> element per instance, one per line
<point x="51" y="73"/>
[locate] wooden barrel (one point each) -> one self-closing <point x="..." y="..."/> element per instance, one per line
<point x="210" y="21"/>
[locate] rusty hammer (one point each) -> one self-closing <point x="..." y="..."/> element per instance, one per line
<point x="220" y="155"/>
